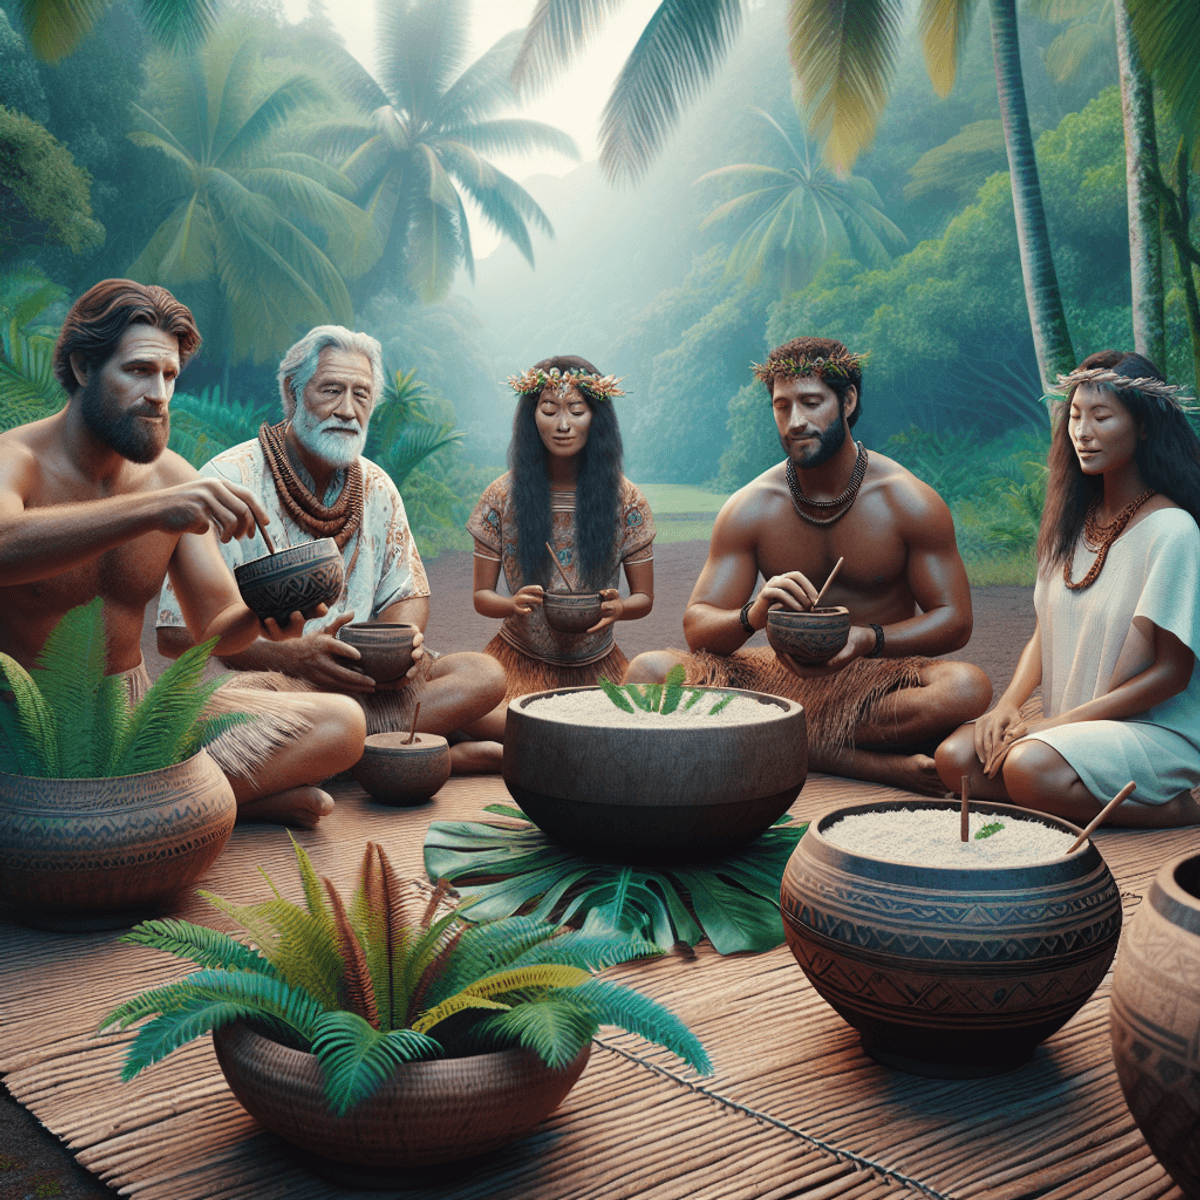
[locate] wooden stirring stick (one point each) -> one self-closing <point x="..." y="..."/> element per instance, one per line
<point x="964" y="820"/>
<point x="412" y="733"/>
<point x="1103" y="815"/>
<point x="559" y="566"/>
<point x="837" y="566"/>
<point x="266" y="537"/>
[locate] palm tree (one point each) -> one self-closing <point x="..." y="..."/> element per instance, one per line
<point x="800" y="216"/>
<point x="265" y="232"/>
<point x="57" y="27"/>
<point x="419" y="147"/>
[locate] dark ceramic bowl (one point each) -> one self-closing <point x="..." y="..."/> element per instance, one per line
<point x="571" y="612"/>
<point x="809" y="637"/>
<point x="295" y="579"/>
<point x="950" y="972"/>
<point x="1155" y="1020"/>
<point x="395" y="773"/>
<point x="650" y="794"/>
<point x="386" y="647"/>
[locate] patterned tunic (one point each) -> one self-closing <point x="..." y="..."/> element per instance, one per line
<point x="381" y="559"/>
<point x="494" y="525"/>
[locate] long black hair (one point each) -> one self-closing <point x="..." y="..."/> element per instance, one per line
<point x="1168" y="458"/>
<point x="597" y="486"/>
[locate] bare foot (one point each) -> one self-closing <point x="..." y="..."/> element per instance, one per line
<point x="910" y="772"/>
<point x="476" y="758"/>
<point x="917" y="773"/>
<point x="302" y="806"/>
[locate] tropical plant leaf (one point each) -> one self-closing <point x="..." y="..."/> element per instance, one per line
<point x="34" y="718"/>
<point x="463" y="1002"/>
<point x="199" y="944"/>
<point x="673" y="693"/>
<point x="615" y="694"/>
<point x="554" y="1029"/>
<point x="358" y="996"/>
<point x="17" y="758"/>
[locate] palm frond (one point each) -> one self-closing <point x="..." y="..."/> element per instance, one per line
<point x="679" y="49"/>
<point x="557" y="31"/>
<point x="179" y="24"/>
<point x="483" y="87"/>
<point x="421" y="49"/>
<point x="56" y="27"/>
<point x="943" y="26"/>
<point x="199" y="944"/>
<point x="514" y="135"/>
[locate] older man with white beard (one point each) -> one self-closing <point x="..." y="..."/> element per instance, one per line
<point x="309" y="476"/>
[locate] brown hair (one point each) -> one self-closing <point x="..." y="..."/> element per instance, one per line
<point x="843" y="372"/>
<point x="98" y="320"/>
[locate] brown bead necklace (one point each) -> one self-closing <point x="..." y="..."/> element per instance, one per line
<point x="1100" y="538"/>
<point x="842" y="503"/>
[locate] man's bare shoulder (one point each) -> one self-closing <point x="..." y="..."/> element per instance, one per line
<point x="23" y="451"/>
<point x="171" y="468"/>
<point x="755" y="501"/>
<point x="910" y="498"/>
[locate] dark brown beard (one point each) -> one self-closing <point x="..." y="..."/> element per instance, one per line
<point x="122" y="432"/>
<point x="829" y="443"/>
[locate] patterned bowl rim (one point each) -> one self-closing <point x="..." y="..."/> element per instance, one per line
<point x="1167" y="880"/>
<point x="382" y="627"/>
<point x="571" y="597"/>
<point x="783" y="615"/>
<point x="331" y="550"/>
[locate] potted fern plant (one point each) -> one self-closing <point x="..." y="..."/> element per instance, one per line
<point x="371" y="1034"/>
<point x="106" y="809"/>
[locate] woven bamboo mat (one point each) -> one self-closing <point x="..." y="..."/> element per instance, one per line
<point x="794" y="1110"/>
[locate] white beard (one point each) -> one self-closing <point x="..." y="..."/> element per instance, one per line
<point x="337" y="449"/>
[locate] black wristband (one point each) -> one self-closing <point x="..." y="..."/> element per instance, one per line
<point x="877" y="652"/>
<point x="744" y="616"/>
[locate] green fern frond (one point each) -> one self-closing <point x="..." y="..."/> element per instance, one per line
<point x="22" y="762"/>
<point x="419" y="954"/>
<point x="199" y="944"/>
<point x="356" y="1059"/>
<point x="673" y="692"/>
<point x="112" y="718"/>
<point x="720" y="704"/>
<point x="591" y="949"/>
<point x="264" y="935"/>
<point x="612" y="1004"/>
<point x="35" y="718"/>
<point x="615" y="694"/>
<point x="306" y="954"/>
<point x="554" y="1029"/>
<point x="463" y="1002"/>
<point x="314" y="895"/>
<point x="490" y="947"/>
<point x="176" y="1028"/>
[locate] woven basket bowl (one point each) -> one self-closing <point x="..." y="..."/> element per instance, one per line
<point x="571" y="612"/>
<point x="99" y="853"/>
<point x="950" y="972"/>
<point x="396" y="773"/>
<point x="655" y="794"/>
<point x="426" y="1113"/>
<point x="295" y="579"/>
<point x="1156" y="1020"/>
<point x="809" y="637"/>
<point x="386" y="648"/>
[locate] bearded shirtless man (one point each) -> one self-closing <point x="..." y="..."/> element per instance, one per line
<point x="92" y="503"/>
<point x="879" y="706"/>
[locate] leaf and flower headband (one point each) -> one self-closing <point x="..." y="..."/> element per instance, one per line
<point x="1164" y="393"/>
<point x="595" y="387"/>
<point x="839" y="365"/>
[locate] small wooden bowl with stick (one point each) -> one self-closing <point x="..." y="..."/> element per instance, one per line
<point x="570" y="611"/>
<point x="403" y="769"/>
<point x="812" y="637"/>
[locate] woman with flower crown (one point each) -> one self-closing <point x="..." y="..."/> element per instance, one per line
<point x="564" y="487"/>
<point x="1118" y="608"/>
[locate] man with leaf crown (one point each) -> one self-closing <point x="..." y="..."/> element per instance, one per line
<point x="92" y="503"/>
<point x="877" y="709"/>
<point x="308" y="473"/>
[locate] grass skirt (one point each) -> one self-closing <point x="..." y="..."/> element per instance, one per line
<point x="527" y="674"/>
<point x="835" y="705"/>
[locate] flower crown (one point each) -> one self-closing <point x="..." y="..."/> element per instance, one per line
<point x="595" y="387"/>
<point x="1164" y="393"/>
<point x="839" y="364"/>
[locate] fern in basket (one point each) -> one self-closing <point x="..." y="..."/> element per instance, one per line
<point x="69" y="720"/>
<point x="373" y="985"/>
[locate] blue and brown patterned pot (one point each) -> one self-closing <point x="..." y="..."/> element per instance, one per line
<point x="295" y="579"/>
<point x="1156" y="1020"/>
<point x="950" y="972"/>
<point x="101" y="853"/>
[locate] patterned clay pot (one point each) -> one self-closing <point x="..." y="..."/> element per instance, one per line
<point x="426" y="1113"/>
<point x="98" y="853"/>
<point x="386" y="648"/>
<point x="809" y="637"/>
<point x="395" y="771"/>
<point x="295" y="579"/>
<point x="571" y="612"/>
<point x="655" y="795"/>
<point x="1156" y="1020"/>
<point x="950" y="972"/>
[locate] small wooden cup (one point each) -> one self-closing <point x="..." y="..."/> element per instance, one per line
<point x="571" y="612"/>
<point x="295" y="579"/>
<point x="812" y="637"/>
<point x="386" y="647"/>
<point x="395" y="771"/>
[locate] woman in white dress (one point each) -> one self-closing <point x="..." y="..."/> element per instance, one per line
<point x="1118" y="607"/>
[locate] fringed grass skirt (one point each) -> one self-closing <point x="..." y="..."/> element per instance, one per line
<point x="528" y="674"/>
<point x="835" y="705"/>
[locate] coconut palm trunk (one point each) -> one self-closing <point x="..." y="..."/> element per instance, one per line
<point x="1051" y="339"/>
<point x="1141" y="168"/>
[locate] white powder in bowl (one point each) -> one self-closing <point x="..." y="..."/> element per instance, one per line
<point x="593" y="707"/>
<point x="929" y="837"/>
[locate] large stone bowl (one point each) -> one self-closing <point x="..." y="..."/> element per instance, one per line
<point x="950" y="972"/>
<point x="571" y="612"/>
<point x="396" y="771"/>
<point x="810" y="637"/>
<point x="1156" y="1020"/>
<point x="425" y="1113"/>
<point x="295" y="579"/>
<point x="655" y="795"/>
<point x="84" y="854"/>
<point x="386" y="647"/>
